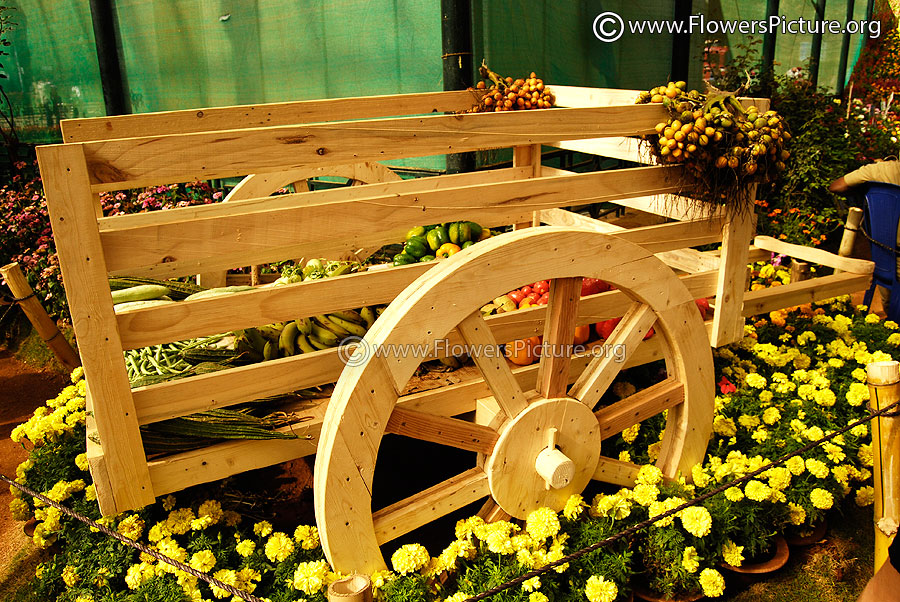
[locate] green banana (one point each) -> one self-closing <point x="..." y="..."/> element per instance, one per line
<point x="304" y="326"/>
<point x="271" y="332"/>
<point x="324" y="335"/>
<point x="349" y="315"/>
<point x="270" y="351"/>
<point x="368" y="314"/>
<point x="304" y="345"/>
<point x="379" y="309"/>
<point x="352" y="327"/>
<point x="318" y="344"/>
<point x="256" y="340"/>
<point x="288" y="339"/>
<point x="325" y="322"/>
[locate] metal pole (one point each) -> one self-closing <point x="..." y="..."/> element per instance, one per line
<point x="870" y="8"/>
<point x="103" y="19"/>
<point x="845" y="51"/>
<point x="816" y="51"/>
<point x="681" y="42"/>
<point x="768" y="49"/>
<point x="456" y="45"/>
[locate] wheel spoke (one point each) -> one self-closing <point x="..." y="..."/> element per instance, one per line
<point x="453" y="432"/>
<point x="559" y="337"/>
<point x="640" y="406"/>
<point x="604" y="368"/>
<point x="411" y="513"/>
<point x="492" y="512"/>
<point x="478" y="336"/>
<point x="616" y="472"/>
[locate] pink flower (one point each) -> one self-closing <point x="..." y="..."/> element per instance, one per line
<point x="726" y="386"/>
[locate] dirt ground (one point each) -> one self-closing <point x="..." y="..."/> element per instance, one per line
<point x="22" y="389"/>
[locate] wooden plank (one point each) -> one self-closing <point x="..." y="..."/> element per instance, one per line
<point x="578" y="96"/>
<point x="261" y="185"/>
<point x="71" y="208"/>
<point x="363" y="221"/>
<point x="485" y="352"/>
<point x="619" y="147"/>
<point x="559" y="332"/>
<point x="422" y="508"/>
<point x="442" y="430"/>
<point x="616" y="472"/>
<point x="603" y="369"/>
<point x="648" y="402"/>
<point x="262" y="115"/>
<point x="813" y="255"/>
<point x="807" y="291"/>
<point x="728" y="322"/>
<point x="153" y="160"/>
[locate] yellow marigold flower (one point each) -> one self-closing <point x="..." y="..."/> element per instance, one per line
<point x="278" y="547"/>
<point x="894" y="339"/>
<point x="409" y="558"/>
<point x="821" y="499"/>
<point x="760" y="435"/>
<point x="616" y="506"/>
<point x="824" y="397"/>
<point x="77" y="374"/>
<point x="226" y="576"/>
<point x="834" y="452"/>
<point x="690" y="559"/>
<point x="170" y="548"/>
<point x="649" y="474"/>
<point x="779" y="478"/>
<point x="212" y="509"/>
<point x="625" y="456"/>
<point x="168" y="503"/>
<point x="696" y="520"/>
<point x="732" y="553"/>
<point x="203" y="560"/>
<point x="653" y="450"/>
<point x="245" y="547"/>
<point x="755" y="380"/>
<point x="890" y="325"/>
<point x="712" y="583"/>
<point x="857" y="394"/>
<point x="574" y="507"/>
<point x="645" y="494"/>
<point x="307" y="536"/>
<point x="748" y="422"/>
<point x="699" y="476"/>
<point x="542" y="523"/>
<point x="872" y="319"/>
<point x="734" y="494"/>
<point x="859" y="374"/>
<point x="860" y="430"/>
<point x="771" y="415"/>
<point x="865" y="454"/>
<point x="179" y="520"/>
<point x="865" y="496"/>
<point x="134" y="576"/>
<point x="813" y="433"/>
<point x="263" y="528"/>
<point x="81" y="462"/>
<point x="536" y="597"/>
<point x="499" y="542"/>
<point x="157" y="532"/>
<point x="532" y="584"/>
<point x="131" y="526"/>
<point x="836" y="362"/>
<point x="757" y="491"/>
<point x="467" y="527"/>
<point x="631" y="433"/>
<point x="724" y="426"/>
<point x="70" y="576"/>
<point x="818" y="468"/>
<point x="311" y="577"/>
<point x="458" y="597"/>
<point x="19" y="509"/>
<point x="599" y="589"/>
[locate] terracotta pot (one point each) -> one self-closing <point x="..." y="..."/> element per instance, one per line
<point x="29" y="526"/>
<point x="817" y="533"/>
<point x="778" y="560"/>
<point x="642" y="593"/>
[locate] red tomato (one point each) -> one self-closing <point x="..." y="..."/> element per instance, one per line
<point x="649" y="334"/>
<point x="533" y="296"/>
<point x="592" y="286"/>
<point x="516" y="296"/>
<point x="582" y="334"/>
<point x="541" y="287"/>
<point x="605" y="328"/>
<point x="526" y="302"/>
<point x="544" y="300"/>
<point x="703" y="306"/>
<point x="526" y="290"/>
<point x="523" y="352"/>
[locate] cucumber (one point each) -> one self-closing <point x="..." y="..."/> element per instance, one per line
<point x="119" y="307"/>
<point x="142" y="292"/>
<point x="222" y="290"/>
<point x="179" y="290"/>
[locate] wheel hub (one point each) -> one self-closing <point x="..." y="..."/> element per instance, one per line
<point x="544" y="455"/>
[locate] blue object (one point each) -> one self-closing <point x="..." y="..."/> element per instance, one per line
<point x="881" y="219"/>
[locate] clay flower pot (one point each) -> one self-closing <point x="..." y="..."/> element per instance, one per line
<point x="749" y="571"/>
<point x="808" y="537"/>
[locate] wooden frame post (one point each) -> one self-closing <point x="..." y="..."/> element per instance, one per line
<point x="525" y="156"/>
<point x="728" y="322"/>
<point x="884" y="390"/>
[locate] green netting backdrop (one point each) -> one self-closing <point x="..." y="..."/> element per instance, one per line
<point x="198" y="53"/>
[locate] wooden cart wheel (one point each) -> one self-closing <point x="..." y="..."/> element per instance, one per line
<point x="545" y="445"/>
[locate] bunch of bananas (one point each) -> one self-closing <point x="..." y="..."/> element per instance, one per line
<point x="284" y="339"/>
<point x="724" y="145"/>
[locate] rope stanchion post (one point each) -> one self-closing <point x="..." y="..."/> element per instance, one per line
<point x="848" y="239"/>
<point x="355" y="588"/>
<point x="884" y="390"/>
<point x="38" y="317"/>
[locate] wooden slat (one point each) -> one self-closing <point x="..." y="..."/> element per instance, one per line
<point x="819" y="256"/>
<point x="485" y="352"/>
<point x="71" y="208"/>
<point x="728" y="323"/>
<point x="610" y="470"/>
<point x="627" y="336"/>
<point x="578" y="96"/>
<point x="152" y="160"/>
<point x="807" y="291"/>
<point x="442" y="430"/>
<point x="649" y="402"/>
<point x="262" y="115"/>
<point x="363" y="221"/>
<point x="620" y="147"/>
<point x="559" y="334"/>
<point x="442" y="499"/>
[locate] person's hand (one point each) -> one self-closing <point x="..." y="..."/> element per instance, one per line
<point x="839" y="186"/>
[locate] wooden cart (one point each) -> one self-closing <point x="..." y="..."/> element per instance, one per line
<point x="521" y="411"/>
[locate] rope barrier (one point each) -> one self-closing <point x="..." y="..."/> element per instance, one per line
<point x="247" y="597"/>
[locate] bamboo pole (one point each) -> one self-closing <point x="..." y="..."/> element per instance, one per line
<point x="355" y="588"/>
<point x="884" y="389"/>
<point x="38" y="317"/>
<point x="854" y="217"/>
